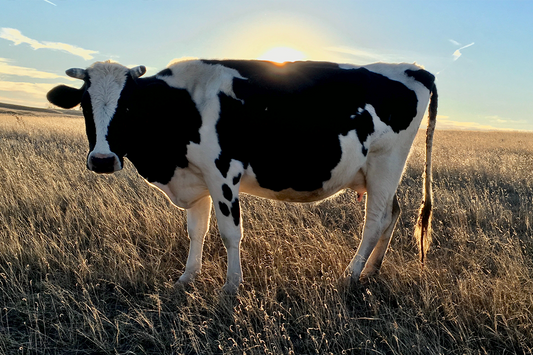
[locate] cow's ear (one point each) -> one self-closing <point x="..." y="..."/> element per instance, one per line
<point x="65" y="96"/>
<point x="138" y="71"/>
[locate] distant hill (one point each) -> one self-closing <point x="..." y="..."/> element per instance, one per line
<point x="10" y="109"/>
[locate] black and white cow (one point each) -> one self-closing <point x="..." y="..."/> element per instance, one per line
<point x="203" y="131"/>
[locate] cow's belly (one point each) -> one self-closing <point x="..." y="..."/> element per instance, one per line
<point x="288" y="195"/>
<point x="331" y="187"/>
<point x="348" y="172"/>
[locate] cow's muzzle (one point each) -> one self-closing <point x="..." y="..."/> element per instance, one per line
<point x="103" y="163"/>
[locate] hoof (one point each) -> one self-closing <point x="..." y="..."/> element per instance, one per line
<point x="230" y="289"/>
<point x="184" y="281"/>
<point x="181" y="286"/>
<point x="367" y="275"/>
<point x="347" y="282"/>
<point x="187" y="278"/>
<point x="365" y="279"/>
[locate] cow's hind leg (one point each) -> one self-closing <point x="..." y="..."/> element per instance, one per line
<point x="376" y="257"/>
<point x="197" y="226"/>
<point x="379" y="218"/>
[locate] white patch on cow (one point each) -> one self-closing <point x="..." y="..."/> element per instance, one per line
<point x="204" y="82"/>
<point x="165" y="188"/>
<point x="107" y="82"/>
<point x="352" y="160"/>
<point x="383" y="137"/>
<point x="186" y="187"/>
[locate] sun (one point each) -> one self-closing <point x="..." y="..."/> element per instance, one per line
<point x="283" y="54"/>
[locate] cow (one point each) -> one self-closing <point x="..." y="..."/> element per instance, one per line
<point x="203" y="131"/>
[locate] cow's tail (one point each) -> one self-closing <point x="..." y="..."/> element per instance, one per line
<point x="423" y="225"/>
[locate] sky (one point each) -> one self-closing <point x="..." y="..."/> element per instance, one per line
<point x="481" y="51"/>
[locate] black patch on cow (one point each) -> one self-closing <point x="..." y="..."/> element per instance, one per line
<point x="288" y="128"/>
<point x="236" y="212"/>
<point x="153" y="124"/>
<point x="422" y="76"/>
<point x="222" y="163"/>
<point x="223" y="208"/>
<point x="165" y="72"/>
<point x="236" y="179"/>
<point x="364" y="128"/>
<point x="226" y="191"/>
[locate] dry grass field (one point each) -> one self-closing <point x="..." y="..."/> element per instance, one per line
<point x="88" y="262"/>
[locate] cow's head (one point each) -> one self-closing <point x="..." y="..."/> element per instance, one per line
<point x="106" y="98"/>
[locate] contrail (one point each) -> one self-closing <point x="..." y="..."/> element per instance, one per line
<point x="458" y="53"/>
<point x="48" y="1"/>
<point x="455" y="54"/>
<point x="454" y="42"/>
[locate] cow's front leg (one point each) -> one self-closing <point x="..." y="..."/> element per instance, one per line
<point x="226" y="200"/>
<point x="197" y="226"/>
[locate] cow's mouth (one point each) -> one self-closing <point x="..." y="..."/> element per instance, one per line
<point x="104" y="164"/>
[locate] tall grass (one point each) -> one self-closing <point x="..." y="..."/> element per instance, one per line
<point x="87" y="262"/>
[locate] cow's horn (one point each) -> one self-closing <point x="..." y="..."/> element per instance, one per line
<point x="138" y="71"/>
<point x="77" y="73"/>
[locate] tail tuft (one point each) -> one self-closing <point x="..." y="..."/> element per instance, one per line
<point x="423" y="225"/>
<point x="423" y="229"/>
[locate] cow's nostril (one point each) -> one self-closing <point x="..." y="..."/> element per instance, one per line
<point x="103" y="165"/>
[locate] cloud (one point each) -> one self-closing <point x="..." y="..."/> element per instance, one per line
<point x="499" y="119"/>
<point x="458" y="53"/>
<point x="17" y="38"/>
<point x="24" y="102"/>
<point x="444" y="123"/>
<point x="8" y="69"/>
<point x="50" y="2"/>
<point x="28" y="88"/>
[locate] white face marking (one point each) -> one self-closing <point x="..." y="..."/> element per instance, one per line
<point x="107" y="82"/>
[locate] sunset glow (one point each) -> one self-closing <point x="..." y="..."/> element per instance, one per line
<point x="283" y="54"/>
